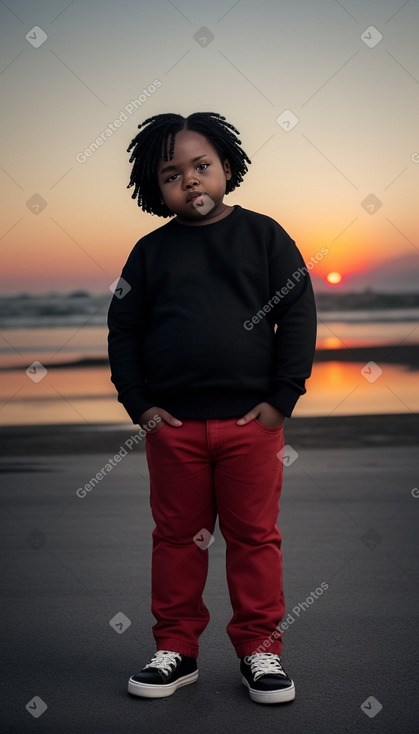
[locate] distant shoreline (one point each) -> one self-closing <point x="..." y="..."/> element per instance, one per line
<point x="361" y="298"/>
<point x="81" y="308"/>
<point x="354" y="431"/>
<point x="403" y="354"/>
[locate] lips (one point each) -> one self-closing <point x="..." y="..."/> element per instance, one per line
<point x="194" y="195"/>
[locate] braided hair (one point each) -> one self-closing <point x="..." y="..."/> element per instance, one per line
<point x="154" y="135"/>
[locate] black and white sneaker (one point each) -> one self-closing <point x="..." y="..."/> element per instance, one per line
<point x="266" y="679"/>
<point x="166" y="672"/>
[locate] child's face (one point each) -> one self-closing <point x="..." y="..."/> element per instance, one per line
<point x="194" y="169"/>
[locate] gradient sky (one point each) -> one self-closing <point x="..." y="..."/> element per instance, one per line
<point x="357" y="131"/>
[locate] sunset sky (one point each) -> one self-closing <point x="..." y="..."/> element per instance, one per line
<point x="344" y="177"/>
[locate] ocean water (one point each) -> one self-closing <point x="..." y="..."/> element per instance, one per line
<point x="54" y="330"/>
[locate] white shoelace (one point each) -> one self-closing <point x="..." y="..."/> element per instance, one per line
<point x="264" y="663"/>
<point x="164" y="660"/>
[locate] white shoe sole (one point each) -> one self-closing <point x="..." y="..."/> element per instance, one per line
<point x="288" y="694"/>
<point x="149" y="690"/>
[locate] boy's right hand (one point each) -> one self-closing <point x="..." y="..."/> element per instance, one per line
<point x="149" y="414"/>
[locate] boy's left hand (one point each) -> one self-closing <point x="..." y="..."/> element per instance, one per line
<point x="266" y="414"/>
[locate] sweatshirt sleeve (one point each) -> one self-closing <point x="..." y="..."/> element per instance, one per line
<point x="127" y="323"/>
<point x="295" y="335"/>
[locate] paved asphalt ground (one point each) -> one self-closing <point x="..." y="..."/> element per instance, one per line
<point x="70" y="565"/>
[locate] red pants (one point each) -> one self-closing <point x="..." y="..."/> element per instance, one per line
<point x="197" y="470"/>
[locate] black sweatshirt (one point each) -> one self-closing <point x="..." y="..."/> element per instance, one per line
<point x="192" y="325"/>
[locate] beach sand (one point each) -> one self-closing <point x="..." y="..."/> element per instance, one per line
<point x="77" y="564"/>
<point x="322" y="432"/>
<point x="74" y="567"/>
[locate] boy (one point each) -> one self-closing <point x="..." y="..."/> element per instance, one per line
<point x="213" y="340"/>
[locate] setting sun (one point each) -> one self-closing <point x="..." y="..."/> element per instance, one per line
<point x="334" y="278"/>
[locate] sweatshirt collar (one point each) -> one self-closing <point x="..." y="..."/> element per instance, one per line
<point x="236" y="208"/>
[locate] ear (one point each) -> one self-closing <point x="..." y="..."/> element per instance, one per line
<point x="227" y="169"/>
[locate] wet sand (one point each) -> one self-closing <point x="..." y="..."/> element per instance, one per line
<point x="73" y="567"/>
<point x="322" y="432"/>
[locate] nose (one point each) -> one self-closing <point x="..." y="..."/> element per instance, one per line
<point x="191" y="180"/>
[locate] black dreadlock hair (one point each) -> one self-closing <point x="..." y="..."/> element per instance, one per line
<point x="147" y="149"/>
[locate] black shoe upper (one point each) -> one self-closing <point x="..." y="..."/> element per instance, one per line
<point x="165" y="667"/>
<point x="264" y="672"/>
